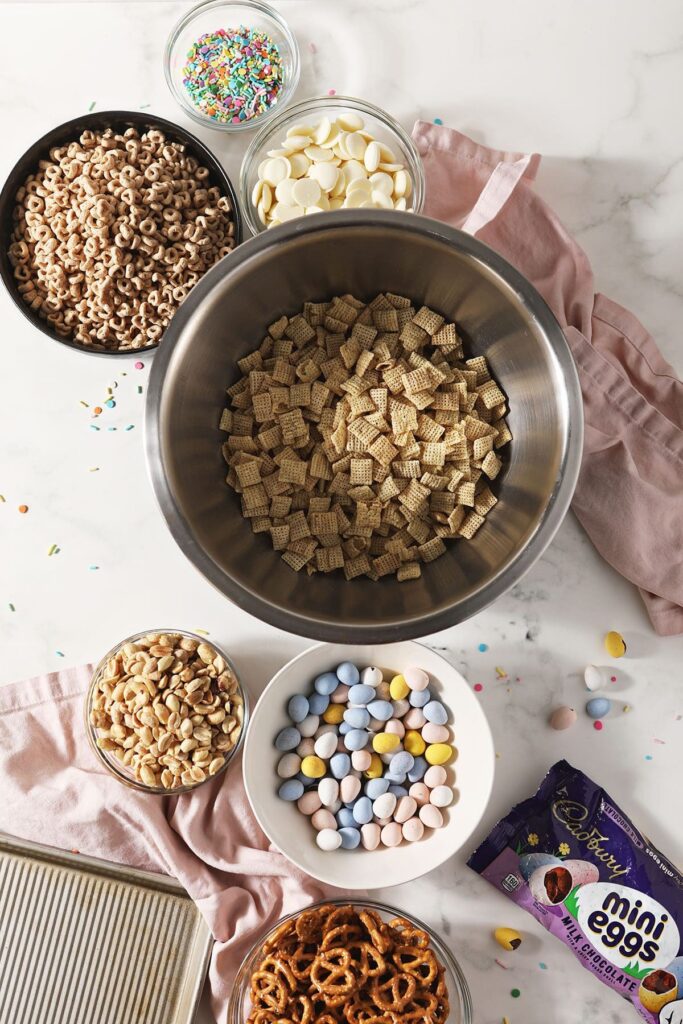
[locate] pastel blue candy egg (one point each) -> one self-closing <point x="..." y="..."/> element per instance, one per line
<point x="356" y="739"/>
<point x="357" y="718"/>
<point x="395" y="778"/>
<point x="291" y="790"/>
<point x="361" y="694"/>
<point x="345" y="817"/>
<point x="417" y="772"/>
<point x="375" y="787"/>
<point x="362" y="810"/>
<point x="401" y="763"/>
<point x="371" y="676"/>
<point x="418" y="698"/>
<point x="340" y="765"/>
<point x="398" y="791"/>
<point x="435" y="712"/>
<point x="326" y="683"/>
<point x="531" y="861"/>
<point x="288" y="738"/>
<point x="317" y="703"/>
<point x="347" y="673"/>
<point x="297" y="707"/>
<point x="381" y="710"/>
<point x="598" y="707"/>
<point x="344" y="728"/>
<point x="350" y="838"/>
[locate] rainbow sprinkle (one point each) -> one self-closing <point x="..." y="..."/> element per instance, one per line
<point x="233" y="75"/>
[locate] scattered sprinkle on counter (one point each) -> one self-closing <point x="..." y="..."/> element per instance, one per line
<point x="60" y="654"/>
<point x="139" y="365"/>
<point x="544" y="967"/>
<point x="52" y="550"/>
<point x="312" y="47"/>
<point x="501" y="964"/>
<point x="11" y="607"/>
<point x="93" y="568"/>
<point x="478" y="687"/>
<point x="139" y="389"/>
<point x="23" y="509"/>
<point x="110" y="403"/>
<point x="233" y="75"/>
<point x="331" y="92"/>
<point x="93" y="426"/>
<point x="2" y="499"/>
<point x="598" y="726"/>
<point x="202" y="632"/>
<point x="437" y="120"/>
<point x="131" y="426"/>
<point x="91" y="107"/>
<point x="483" y="647"/>
<point x="648" y="757"/>
<point x="501" y="673"/>
<point x="515" y="993"/>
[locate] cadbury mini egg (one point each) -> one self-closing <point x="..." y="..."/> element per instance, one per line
<point x="551" y="885"/>
<point x="598" y="707"/>
<point x="562" y="718"/>
<point x="594" y="677"/>
<point x="508" y="938"/>
<point x="531" y="861"/>
<point x="615" y="645"/>
<point x="657" y="989"/>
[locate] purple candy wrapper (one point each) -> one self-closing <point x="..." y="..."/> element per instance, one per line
<point x="576" y="862"/>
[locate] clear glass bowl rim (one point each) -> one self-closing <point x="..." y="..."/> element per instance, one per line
<point x="301" y="108"/>
<point x="289" y="86"/>
<point x="243" y="976"/>
<point x="112" y="767"/>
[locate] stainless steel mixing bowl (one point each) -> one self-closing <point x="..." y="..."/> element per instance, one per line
<point x="363" y="252"/>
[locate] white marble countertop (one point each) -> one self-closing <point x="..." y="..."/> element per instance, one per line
<point x="595" y="88"/>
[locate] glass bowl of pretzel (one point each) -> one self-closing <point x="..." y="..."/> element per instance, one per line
<point x="350" y="963"/>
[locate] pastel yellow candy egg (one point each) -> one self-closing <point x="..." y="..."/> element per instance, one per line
<point x="313" y="767"/>
<point x="376" y="769"/>
<point x="615" y="644"/>
<point x="413" y="743"/>
<point x="436" y="753"/>
<point x="333" y="714"/>
<point x="398" y="688"/>
<point x="385" y="742"/>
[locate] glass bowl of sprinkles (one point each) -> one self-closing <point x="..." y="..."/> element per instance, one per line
<point x="232" y="64"/>
<point x="335" y="152"/>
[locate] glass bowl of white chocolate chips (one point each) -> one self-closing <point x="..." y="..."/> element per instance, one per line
<point x="329" y="153"/>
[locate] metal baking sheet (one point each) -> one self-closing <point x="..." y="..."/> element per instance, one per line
<point x="83" y="941"/>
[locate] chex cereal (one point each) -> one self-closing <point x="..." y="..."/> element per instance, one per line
<point x="361" y="439"/>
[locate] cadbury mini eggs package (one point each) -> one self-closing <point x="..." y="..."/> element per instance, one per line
<point x="573" y="859"/>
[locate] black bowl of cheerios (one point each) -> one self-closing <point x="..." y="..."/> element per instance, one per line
<point x="165" y="711"/>
<point x="106" y="224"/>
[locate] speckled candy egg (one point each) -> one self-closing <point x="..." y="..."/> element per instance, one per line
<point x="441" y="796"/>
<point x="416" y="678"/>
<point x="431" y="816"/>
<point x="288" y="766"/>
<point x="413" y="830"/>
<point x="323" y="819"/>
<point x="361" y="760"/>
<point x="347" y="673"/>
<point x="391" y="834"/>
<point x="328" y="839"/>
<point x="371" y="676"/>
<point x="562" y="718"/>
<point x="326" y="745"/>
<point x="598" y="707"/>
<point x="349" y="788"/>
<point x="370" y="836"/>
<point x="433" y="733"/>
<point x="328" y="791"/>
<point x="309" y="803"/>
<point x="405" y="808"/>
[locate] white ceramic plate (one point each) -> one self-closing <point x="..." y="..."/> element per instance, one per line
<point x="292" y="833"/>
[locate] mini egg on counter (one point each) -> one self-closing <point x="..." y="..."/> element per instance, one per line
<point x="615" y="645"/>
<point x="598" y="707"/>
<point x="362" y="777"/>
<point x="562" y="718"/>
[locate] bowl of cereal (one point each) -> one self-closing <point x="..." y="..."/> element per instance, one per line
<point x="329" y="153"/>
<point x="232" y="65"/>
<point x="368" y="766"/>
<point x="388" y="965"/>
<point x="106" y="224"/>
<point x="401" y="434"/>
<point x="165" y="712"/>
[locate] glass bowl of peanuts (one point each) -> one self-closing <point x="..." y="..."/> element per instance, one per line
<point x="327" y="957"/>
<point x="165" y="711"/>
<point x="329" y="153"/>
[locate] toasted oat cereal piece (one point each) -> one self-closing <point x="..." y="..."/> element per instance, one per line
<point x="432" y="549"/>
<point x="408" y="571"/>
<point x="482" y="446"/>
<point x="277" y="330"/>
<point x="226" y="421"/>
<point x="361" y="471"/>
<point x="398" y="301"/>
<point x="470" y="525"/>
<point x="359" y="566"/>
<point x="503" y="434"/>
<point x="484" y="501"/>
<point x="248" y="473"/>
<point x="412" y="336"/>
<point x="490" y="394"/>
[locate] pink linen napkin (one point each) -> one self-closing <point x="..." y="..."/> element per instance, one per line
<point x="54" y="791"/>
<point x="629" y="497"/>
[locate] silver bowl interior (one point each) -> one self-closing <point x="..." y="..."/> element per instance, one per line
<point x="363" y="252"/>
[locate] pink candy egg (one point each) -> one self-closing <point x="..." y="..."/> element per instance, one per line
<point x="430" y="816"/>
<point x="341" y="746"/>
<point x="441" y="796"/>
<point x="398" y="728"/>
<point x="435" y="776"/>
<point x="370" y="835"/>
<point x="383" y="692"/>
<point x="376" y="725"/>
<point x="416" y="678"/>
<point x="361" y="760"/>
<point x="405" y="808"/>
<point x="309" y="803"/>
<point x="391" y="834"/>
<point x="340" y="695"/>
<point x="415" y="719"/>
<point x="323" y="819"/>
<point x="419" y="793"/>
<point x="435" y="733"/>
<point x="306" y="747"/>
<point x="350" y="788"/>
<point x="401" y="708"/>
<point x="413" y="829"/>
